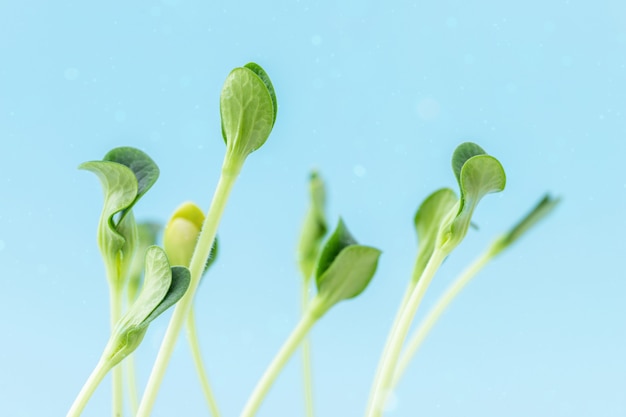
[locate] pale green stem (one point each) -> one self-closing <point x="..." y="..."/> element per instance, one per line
<point x="198" y="260"/>
<point x="131" y="383"/>
<point x="433" y="315"/>
<point x="307" y="372"/>
<point x="387" y="364"/>
<point x="281" y="358"/>
<point x="96" y="377"/>
<point x="394" y="326"/>
<point x="194" y="344"/>
<point x="117" y="376"/>
<point x="130" y="370"/>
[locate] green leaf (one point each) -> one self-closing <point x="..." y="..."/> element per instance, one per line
<point x="340" y="239"/>
<point x="430" y="216"/>
<point x="478" y="174"/>
<point x="315" y="227"/>
<point x="156" y="284"/>
<point x="146" y="236"/>
<point x="248" y="111"/>
<point x="348" y="275"/>
<point x="181" y="278"/>
<point x="162" y="288"/>
<point x="542" y="209"/>
<point x="120" y="189"/>
<point x="461" y="154"/>
<point x="126" y="174"/>
<point x="143" y="167"/>
<point x="260" y="72"/>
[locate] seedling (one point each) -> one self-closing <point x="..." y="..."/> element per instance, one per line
<point x="162" y="288"/>
<point x="313" y="231"/>
<point x="543" y="208"/>
<point x="441" y="223"/>
<point x="179" y="241"/>
<point x="340" y="267"/>
<point x="344" y="269"/>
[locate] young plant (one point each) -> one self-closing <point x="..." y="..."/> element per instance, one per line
<point x="441" y="222"/>
<point x="163" y="287"/>
<point x="542" y="209"/>
<point x="146" y="236"/>
<point x="179" y="241"/>
<point x="344" y="269"/>
<point x="248" y="110"/>
<point x="313" y="232"/>
<point x="126" y="175"/>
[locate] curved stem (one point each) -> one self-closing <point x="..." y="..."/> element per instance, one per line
<point x="431" y="318"/>
<point x="387" y="364"/>
<point x="307" y="371"/>
<point x="194" y="344"/>
<point x="96" y="377"/>
<point x="198" y="260"/>
<point x="117" y="377"/>
<point x="281" y="358"/>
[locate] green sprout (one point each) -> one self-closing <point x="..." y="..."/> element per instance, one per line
<point x="344" y="269"/>
<point x="126" y="175"/>
<point x="146" y="236"/>
<point x="153" y="279"/>
<point x="441" y="223"/>
<point x="248" y="111"/>
<point x="163" y="287"/>
<point x="313" y="231"/>
<point x="542" y="209"/>
<point x="179" y="241"/>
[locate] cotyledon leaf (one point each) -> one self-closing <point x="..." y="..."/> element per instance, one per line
<point x="247" y="109"/>
<point x="348" y="275"/>
<point x="478" y="174"/>
<point x="314" y="228"/>
<point x="429" y="218"/>
<point x="340" y="239"/>
<point x="143" y="167"/>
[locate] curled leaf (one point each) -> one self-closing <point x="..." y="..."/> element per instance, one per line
<point x="478" y="174"/>
<point x="126" y="174"/>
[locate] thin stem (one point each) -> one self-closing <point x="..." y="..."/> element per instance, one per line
<point x="117" y="376"/>
<point x="130" y="370"/>
<point x="96" y="377"/>
<point x="394" y="326"/>
<point x="198" y="260"/>
<point x="387" y="364"/>
<point x="194" y="344"/>
<point x="281" y="358"/>
<point x="433" y="315"/>
<point x="131" y="382"/>
<point x="307" y="371"/>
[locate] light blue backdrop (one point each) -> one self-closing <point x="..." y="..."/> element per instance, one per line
<point x="376" y="95"/>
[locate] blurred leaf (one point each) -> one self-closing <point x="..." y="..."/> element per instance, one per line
<point x="428" y="220"/>
<point x="314" y="228"/>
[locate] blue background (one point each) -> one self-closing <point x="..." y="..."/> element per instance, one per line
<point x="376" y="95"/>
